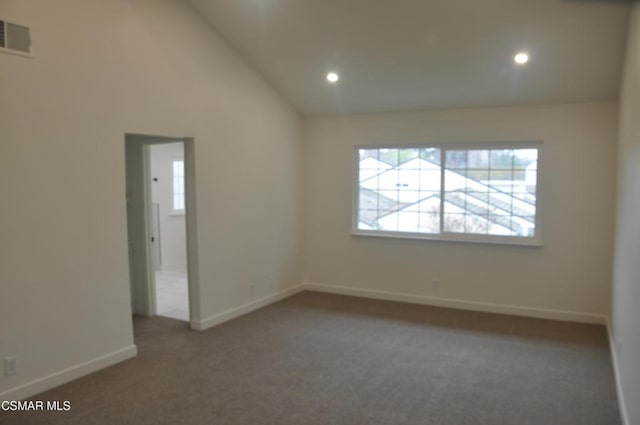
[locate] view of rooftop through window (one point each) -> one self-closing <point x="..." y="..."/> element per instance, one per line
<point x="438" y="190"/>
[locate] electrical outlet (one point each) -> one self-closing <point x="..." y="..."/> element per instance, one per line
<point x="10" y="366"/>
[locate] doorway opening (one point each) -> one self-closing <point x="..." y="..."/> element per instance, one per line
<point x="168" y="229"/>
<point x="160" y="187"/>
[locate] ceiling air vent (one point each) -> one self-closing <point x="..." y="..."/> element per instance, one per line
<point x="14" y="38"/>
<point x="2" y="42"/>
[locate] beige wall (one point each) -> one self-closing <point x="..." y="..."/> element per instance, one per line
<point x="105" y="68"/>
<point x="626" y="282"/>
<point x="102" y="69"/>
<point x="571" y="273"/>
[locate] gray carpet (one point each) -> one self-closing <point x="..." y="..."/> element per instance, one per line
<point x="325" y="359"/>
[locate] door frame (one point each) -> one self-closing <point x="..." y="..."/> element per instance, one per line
<point x="138" y="194"/>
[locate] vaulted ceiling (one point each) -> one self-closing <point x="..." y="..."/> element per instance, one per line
<point x="395" y="55"/>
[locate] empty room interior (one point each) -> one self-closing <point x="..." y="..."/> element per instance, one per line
<point x="320" y="212"/>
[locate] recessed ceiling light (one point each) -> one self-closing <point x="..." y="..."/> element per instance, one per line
<point x="521" y="58"/>
<point x="332" y="77"/>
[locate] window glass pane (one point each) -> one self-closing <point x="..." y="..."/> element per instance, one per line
<point x="430" y="158"/>
<point x="178" y="168"/>
<point x="178" y="202"/>
<point x="456" y="159"/>
<point x="371" y="183"/>
<point x="367" y="173"/>
<point x="478" y="224"/>
<point x="429" y="179"/>
<point x="453" y="204"/>
<point x="408" y="179"/>
<point x="501" y="159"/>
<point x="408" y="221"/>
<point x="407" y="155"/>
<point x="370" y="164"/>
<point x="430" y="203"/>
<point x="368" y="199"/>
<point x="478" y="159"/>
<point x="368" y="153"/>
<point x="388" y="156"/>
<point x="526" y="156"/>
<point x="485" y="191"/>
<point x="409" y="197"/>
<point x="387" y="199"/>
<point x="178" y="185"/>
<point x="453" y="222"/>
<point x="388" y="180"/>
<point x="455" y="180"/>
<point x="399" y="189"/>
<point x="367" y="219"/>
<point x="388" y="222"/>
<point x="481" y="198"/>
<point x="496" y="188"/>
<point x="429" y="223"/>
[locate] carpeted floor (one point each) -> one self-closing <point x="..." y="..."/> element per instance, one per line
<point x="317" y="359"/>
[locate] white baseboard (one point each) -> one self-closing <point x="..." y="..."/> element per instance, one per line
<point x="62" y="377"/>
<point x="616" y="372"/>
<point x="569" y="316"/>
<point x="230" y="314"/>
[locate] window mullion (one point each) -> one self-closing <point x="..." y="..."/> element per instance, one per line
<point x="442" y="174"/>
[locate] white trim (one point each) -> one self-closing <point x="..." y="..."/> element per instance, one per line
<point x="624" y="416"/>
<point x="541" y="313"/>
<point x="442" y="235"/>
<point x="235" y="312"/>
<point x="452" y="237"/>
<point x="190" y="221"/>
<point x="477" y="145"/>
<point x="147" y="194"/>
<point x="67" y="375"/>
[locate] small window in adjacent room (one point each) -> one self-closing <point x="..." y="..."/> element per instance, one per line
<point x="178" y="186"/>
<point x="476" y="193"/>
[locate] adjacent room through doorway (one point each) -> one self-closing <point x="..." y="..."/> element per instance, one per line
<point x="169" y="249"/>
<point x="158" y="220"/>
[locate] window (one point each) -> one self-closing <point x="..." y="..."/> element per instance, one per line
<point x="178" y="186"/>
<point x="480" y="193"/>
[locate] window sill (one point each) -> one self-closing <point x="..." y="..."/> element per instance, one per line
<point x="177" y="213"/>
<point x="454" y="237"/>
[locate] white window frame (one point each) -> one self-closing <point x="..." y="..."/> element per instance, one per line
<point x="535" y="240"/>
<point x="173" y="187"/>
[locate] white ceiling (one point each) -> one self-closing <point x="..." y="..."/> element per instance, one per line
<point x="397" y="55"/>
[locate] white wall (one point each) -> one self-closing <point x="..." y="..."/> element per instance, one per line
<point x="571" y="273"/>
<point x="626" y="282"/>
<point x="102" y="69"/>
<point x="173" y="239"/>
